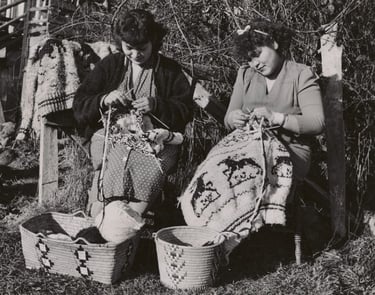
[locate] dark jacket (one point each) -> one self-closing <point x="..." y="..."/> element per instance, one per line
<point x="174" y="103"/>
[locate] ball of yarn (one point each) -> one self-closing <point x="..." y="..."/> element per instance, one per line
<point x="118" y="223"/>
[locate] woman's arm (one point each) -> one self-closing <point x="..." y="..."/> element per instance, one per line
<point x="87" y="100"/>
<point x="174" y="103"/>
<point x="311" y="120"/>
<point x="104" y="78"/>
<point x="234" y="116"/>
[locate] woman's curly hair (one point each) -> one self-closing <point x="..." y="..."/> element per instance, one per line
<point x="137" y="27"/>
<point x="261" y="33"/>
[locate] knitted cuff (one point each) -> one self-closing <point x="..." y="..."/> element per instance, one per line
<point x="170" y="137"/>
<point x="278" y="119"/>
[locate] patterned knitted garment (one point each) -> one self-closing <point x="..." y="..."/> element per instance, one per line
<point x="242" y="184"/>
<point x="51" y="80"/>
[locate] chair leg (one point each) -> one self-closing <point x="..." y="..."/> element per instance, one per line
<point x="298" y="235"/>
<point x="48" y="162"/>
<point x="297" y="249"/>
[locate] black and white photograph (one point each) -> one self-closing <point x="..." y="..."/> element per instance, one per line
<point x="187" y="147"/>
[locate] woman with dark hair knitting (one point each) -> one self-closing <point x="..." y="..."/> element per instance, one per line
<point x="274" y="111"/>
<point x="282" y="91"/>
<point x="146" y="101"/>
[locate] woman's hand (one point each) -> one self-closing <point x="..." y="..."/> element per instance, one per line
<point x="237" y="118"/>
<point x="273" y="118"/>
<point x="115" y="97"/>
<point x="262" y="112"/>
<point x="143" y="104"/>
<point x="201" y="100"/>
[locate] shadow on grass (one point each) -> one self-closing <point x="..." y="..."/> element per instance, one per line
<point x="259" y="255"/>
<point x="146" y="259"/>
<point x="8" y="173"/>
<point x="17" y="182"/>
<point x="9" y="193"/>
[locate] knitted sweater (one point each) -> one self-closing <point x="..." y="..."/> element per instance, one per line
<point x="173" y="101"/>
<point x="296" y="93"/>
<point x="51" y="80"/>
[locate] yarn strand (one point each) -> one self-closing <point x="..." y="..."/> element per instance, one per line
<point x="101" y="196"/>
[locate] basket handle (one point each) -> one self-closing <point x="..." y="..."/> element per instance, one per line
<point x="76" y="241"/>
<point x="41" y="235"/>
<point x="81" y="239"/>
<point x="79" y="213"/>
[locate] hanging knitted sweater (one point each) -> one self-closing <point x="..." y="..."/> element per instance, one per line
<point x="51" y="80"/>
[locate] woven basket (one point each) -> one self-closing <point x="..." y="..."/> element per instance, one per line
<point x="183" y="262"/>
<point x="104" y="263"/>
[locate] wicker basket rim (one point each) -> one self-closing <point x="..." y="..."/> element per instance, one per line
<point x="54" y="213"/>
<point x="159" y="240"/>
<point x="107" y="245"/>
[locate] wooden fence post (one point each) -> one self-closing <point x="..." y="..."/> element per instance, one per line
<point x="3" y="92"/>
<point x="331" y="54"/>
<point x="48" y="162"/>
<point x="48" y="154"/>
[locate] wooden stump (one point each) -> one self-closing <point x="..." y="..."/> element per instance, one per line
<point x="333" y="108"/>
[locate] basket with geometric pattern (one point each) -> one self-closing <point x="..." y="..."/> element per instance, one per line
<point x="188" y="257"/>
<point x="105" y="263"/>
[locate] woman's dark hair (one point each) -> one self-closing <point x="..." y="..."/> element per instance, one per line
<point x="262" y="33"/>
<point x="138" y="27"/>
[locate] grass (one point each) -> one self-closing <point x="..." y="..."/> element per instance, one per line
<point x="254" y="271"/>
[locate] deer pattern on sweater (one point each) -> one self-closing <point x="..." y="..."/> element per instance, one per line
<point x="244" y="168"/>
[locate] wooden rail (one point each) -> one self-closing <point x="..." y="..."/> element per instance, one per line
<point x="12" y="21"/>
<point x="42" y="8"/>
<point x="3" y="8"/>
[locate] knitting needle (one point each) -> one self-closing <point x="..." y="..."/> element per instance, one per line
<point x="158" y="120"/>
<point x="150" y="114"/>
<point x="124" y="95"/>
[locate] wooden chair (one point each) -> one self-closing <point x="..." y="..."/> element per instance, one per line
<point x="48" y="156"/>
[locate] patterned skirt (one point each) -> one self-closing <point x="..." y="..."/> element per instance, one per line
<point x="130" y="174"/>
